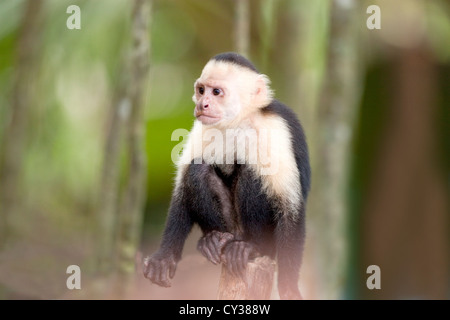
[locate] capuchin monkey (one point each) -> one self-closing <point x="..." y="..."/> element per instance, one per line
<point x="247" y="205"/>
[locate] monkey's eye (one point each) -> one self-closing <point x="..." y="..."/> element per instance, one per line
<point x="201" y="90"/>
<point x="216" y="91"/>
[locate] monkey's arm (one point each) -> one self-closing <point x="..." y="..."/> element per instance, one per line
<point x="161" y="266"/>
<point x="210" y="203"/>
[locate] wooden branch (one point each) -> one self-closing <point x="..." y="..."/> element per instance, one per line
<point x="255" y="285"/>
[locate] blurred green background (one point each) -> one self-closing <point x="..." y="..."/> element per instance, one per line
<point x="375" y="105"/>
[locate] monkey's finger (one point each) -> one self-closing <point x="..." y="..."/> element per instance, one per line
<point x="212" y="247"/>
<point x="207" y="253"/>
<point x="152" y="273"/>
<point x="205" y="249"/>
<point x="220" y="244"/>
<point x="162" y="277"/>
<point x="225" y="243"/>
<point x="227" y="237"/>
<point x="156" y="269"/>
<point x="201" y="246"/>
<point x="172" y="269"/>
<point x="145" y="268"/>
<point x="224" y="239"/>
<point x="215" y="239"/>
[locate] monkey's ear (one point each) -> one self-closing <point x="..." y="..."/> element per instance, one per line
<point x="263" y="93"/>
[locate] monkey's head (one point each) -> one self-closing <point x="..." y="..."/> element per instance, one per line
<point x="229" y="89"/>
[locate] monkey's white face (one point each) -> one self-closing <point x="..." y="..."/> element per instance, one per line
<point x="226" y="92"/>
<point x="214" y="101"/>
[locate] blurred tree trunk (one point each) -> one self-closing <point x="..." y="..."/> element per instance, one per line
<point x="304" y="61"/>
<point x="22" y="97"/>
<point x="333" y="135"/>
<point x="405" y="222"/>
<point x="107" y="214"/>
<point x="130" y="215"/>
<point x="242" y="27"/>
<point x="120" y="207"/>
<point x="267" y="30"/>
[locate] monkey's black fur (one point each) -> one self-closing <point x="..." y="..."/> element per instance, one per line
<point x="235" y="58"/>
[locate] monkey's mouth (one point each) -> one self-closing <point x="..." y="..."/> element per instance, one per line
<point x="207" y="119"/>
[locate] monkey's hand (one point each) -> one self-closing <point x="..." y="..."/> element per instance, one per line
<point x="237" y="254"/>
<point x="211" y="245"/>
<point x="158" y="266"/>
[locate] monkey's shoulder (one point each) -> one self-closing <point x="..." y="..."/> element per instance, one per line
<point x="277" y="108"/>
<point x="297" y="138"/>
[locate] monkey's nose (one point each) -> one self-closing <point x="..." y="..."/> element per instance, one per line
<point x="206" y="106"/>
